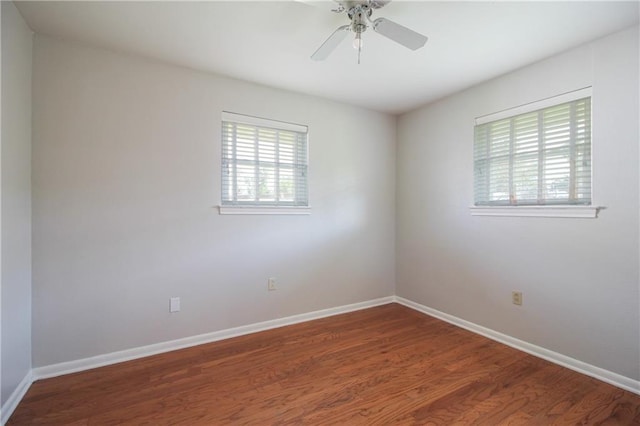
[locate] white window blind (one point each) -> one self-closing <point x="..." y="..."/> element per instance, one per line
<point x="264" y="162"/>
<point x="539" y="157"/>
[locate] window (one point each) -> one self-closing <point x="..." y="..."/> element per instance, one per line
<point x="535" y="155"/>
<point x="264" y="165"/>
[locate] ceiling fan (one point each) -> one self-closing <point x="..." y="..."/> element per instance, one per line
<point x="359" y="13"/>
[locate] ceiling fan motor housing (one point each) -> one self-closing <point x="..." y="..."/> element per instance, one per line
<point x="359" y="16"/>
<point x="373" y="4"/>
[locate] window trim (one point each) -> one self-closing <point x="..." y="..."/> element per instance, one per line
<point x="266" y="209"/>
<point x="263" y="122"/>
<point x="563" y="210"/>
<point x="574" y="95"/>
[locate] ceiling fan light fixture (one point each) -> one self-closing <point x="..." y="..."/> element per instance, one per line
<point x="357" y="41"/>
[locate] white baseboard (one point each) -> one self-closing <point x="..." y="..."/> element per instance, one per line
<point x="606" y="376"/>
<point x="14" y="399"/>
<point x="143" y="351"/>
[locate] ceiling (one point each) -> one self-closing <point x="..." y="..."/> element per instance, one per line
<point x="270" y="42"/>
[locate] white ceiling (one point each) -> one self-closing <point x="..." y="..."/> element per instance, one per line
<point x="270" y="42"/>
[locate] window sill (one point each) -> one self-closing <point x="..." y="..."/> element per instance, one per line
<point x="583" y="212"/>
<point x="264" y="210"/>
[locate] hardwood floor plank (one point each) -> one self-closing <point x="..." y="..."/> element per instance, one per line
<point x="379" y="366"/>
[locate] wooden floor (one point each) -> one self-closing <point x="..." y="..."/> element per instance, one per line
<point x="385" y="365"/>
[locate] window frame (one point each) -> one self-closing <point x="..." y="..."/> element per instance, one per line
<point x="564" y="210"/>
<point x="277" y="207"/>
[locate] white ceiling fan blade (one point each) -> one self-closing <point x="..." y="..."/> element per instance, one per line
<point x="330" y="44"/>
<point x="377" y="4"/>
<point x="309" y="2"/>
<point x="399" y="34"/>
<point x="332" y="5"/>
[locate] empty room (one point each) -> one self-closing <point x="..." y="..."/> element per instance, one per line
<point x="320" y="212"/>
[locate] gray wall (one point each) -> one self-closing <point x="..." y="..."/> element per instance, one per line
<point x="126" y="175"/>
<point x="579" y="277"/>
<point x="16" y="199"/>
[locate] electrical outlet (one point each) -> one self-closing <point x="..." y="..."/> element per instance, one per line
<point x="271" y="284"/>
<point x="174" y="304"/>
<point x="516" y="298"/>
